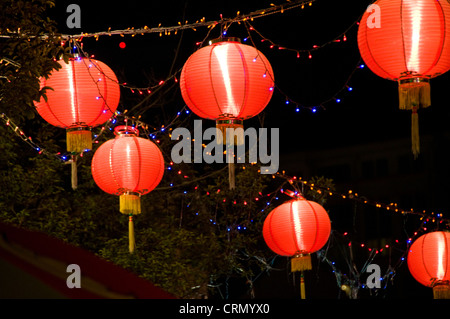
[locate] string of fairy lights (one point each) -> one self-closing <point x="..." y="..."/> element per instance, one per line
<point x="168" y="30"/>
<point x="296" y="182"/>
<point x="341" y="38"/>
<point x="352" y="280"/>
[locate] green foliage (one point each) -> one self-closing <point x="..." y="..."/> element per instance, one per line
<point x="28" y="53"/>
<point x="175" y="259"/>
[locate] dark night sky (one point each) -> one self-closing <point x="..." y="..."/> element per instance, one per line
<point x="368" y="113"/>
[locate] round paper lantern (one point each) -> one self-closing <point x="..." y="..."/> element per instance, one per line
<point x="407" y="41"/>
<point x="128" y="166"/>
<point x="84" y="93"/>
<point x="228" y="82"/>
<point x="429" y="262"/>
<point x="296" y="229"/>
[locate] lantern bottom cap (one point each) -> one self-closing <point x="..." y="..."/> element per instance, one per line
<point x="414" y="93"/>
<point x="234" y="127"/>
<point x="441" y="291"/>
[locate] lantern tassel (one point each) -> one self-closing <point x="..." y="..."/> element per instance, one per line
<point x="78" y="140"/>
<point x="74" y="172"/>
<point x="415" y="138"/>
<point x="231" y="175"/>
<point x="232" y="130"/>
<point x="130" y="204"/>
<point x="414" y="93"/>
<point x="441" y="291"/>
<point x="301" y="263"/>
<point x="132" y="243"/>
<point x="302" y="286"/>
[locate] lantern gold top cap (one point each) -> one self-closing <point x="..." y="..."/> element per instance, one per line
<point x="126" y="130"/>
<point x="225" y="39"/>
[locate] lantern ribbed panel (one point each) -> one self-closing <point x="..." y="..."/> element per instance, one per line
<point x="85" y="91"/>
<point x="227" y="78"/>
<point x="412" y="37"/>
<point x="297" y="226"/>
<point x="429" y="258"/>
<point x="127" y="164"/>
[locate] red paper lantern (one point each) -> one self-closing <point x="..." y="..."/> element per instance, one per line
<point x="296" y="229"/>
<point x="228" y="82"/>
<point x="128" y="166"/>
<point x="407" y="41"/>
<point x="84" y="93"/>
<point x="429" y="262"/>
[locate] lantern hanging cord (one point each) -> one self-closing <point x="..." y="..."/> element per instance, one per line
<point x="273" y="9"/>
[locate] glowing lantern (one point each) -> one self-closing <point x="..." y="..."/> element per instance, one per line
<point x="228" y="82"/>
<point x="128" y="166"/>
<point x="84" y="93"/>
<point x="407" y="41"/>
<point x="429" y="262"/>
<point x="296" y="229"/>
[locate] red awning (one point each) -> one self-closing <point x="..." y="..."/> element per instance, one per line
<point x="34" y="265"/>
